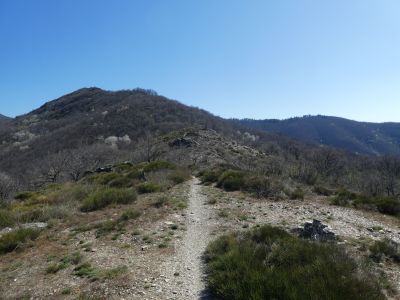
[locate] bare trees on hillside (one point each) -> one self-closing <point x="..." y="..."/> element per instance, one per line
<point x="7" y="186"/>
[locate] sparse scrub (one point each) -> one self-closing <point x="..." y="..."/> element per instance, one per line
<point x="385" y="248"/>
<point x="320" y="190"/>
<point x="268" y="263"/>
<point x="130" y="214"/>
<point x="231" y="180"/>
<point x="160" y="201"/>
<point x="297" y="194"/>
<point x="7" y="218"/>
<point x="179" y="176"/>
<point x="158" y="165"/>
<point x="104" y="197"/>
<point x="14" y="239"/>
<point x="148" y="187"/>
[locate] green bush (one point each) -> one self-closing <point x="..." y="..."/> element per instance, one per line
<point x="297" y="194"/>
<point x="388" y="205"/>
<point x="158" y="165"/>
<point x="343" y="198"/>
<point x="25" y="195"/>
<point x="179" y="176"/>
<point x="106" y="196"/>
<point x="93" y="273"/>
<point x="147" y="187"/>
<point x="210" y="176"/>
<point x="130" y="214"/>
<point x="14" y="239"/>
<point x="231" y="180"/>
<point x="268" y="263"/>
<point x="385" y="248"/>
<point x="7" y="218"/>
<point x="320" y="190"/>
<point x="121" y="182"/>
<point x="258" y="185"/>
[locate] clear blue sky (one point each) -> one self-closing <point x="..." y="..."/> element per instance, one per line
<point x="235" y="58"/>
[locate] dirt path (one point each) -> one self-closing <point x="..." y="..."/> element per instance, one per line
<point x="183" y="273"/>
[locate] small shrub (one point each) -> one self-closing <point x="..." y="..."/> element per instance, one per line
<point x="66" y="291"/>
<point x="158" y="165"/>
<point x="258" y="185"/>
<point x="179" y="176"/>
<point x="231" y="180"/>
<point x="320" y="190"/>
<point x="343" y="198"/>
<point x="25" y="196"/>
<point x="130" y="214"/>
<point x="388" y="205"/>
<point x="66" y="261"/>
<point x="120" y="182"/>
<point x="147" y="187"/>
<point x="297" y="194"/>
<point x="7" y="218"/>
<point x="14" y="239"/>
<point x="93" y="273"/>
<point x="211" y="175"/>
<point x="104" y="197"/>
<point x="160" y="201"/>
<point x="385" y="248"/>
<point x="268" y="263"/>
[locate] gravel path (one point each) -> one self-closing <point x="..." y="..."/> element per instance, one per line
<point x="183" y="273"/>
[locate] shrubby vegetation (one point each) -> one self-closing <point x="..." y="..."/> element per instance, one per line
<point x="15" y="239"/>
<point x="268" y="263"/>
<point x="389" y="205"/>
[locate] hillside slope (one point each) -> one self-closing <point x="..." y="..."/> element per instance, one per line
<point x="356" y="137"/>
<point x="116" y="122"/>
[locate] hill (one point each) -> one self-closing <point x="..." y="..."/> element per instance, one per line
<point x="97" y="127"/>
<point x="353" y="136"/>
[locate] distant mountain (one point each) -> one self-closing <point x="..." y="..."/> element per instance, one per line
<point x="353" y="136"/>
<point x="4" y="118"/>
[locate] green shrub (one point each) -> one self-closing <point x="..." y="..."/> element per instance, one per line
<point x="93" y="273"/>
<point x="268" y="263"/>
<point x="385" y="248"/>
<point x="14" y="239"/>
<point x="343" y="198"/>
<point x="388" y="205"/>
<point x="7" y="218"/>
<point x="210" y="176"/>
<point x="121" y="182"/>
<point x="158" y="165"/>
<point x="320" y="190"/>
<point x="258" y="185"/>
<point x="179" y="176"/>
<point x="160" y="201"/>
<point x="135" y="174"/>
<point x="147" y="187"/>
<point x="130" y="214"/>
<point x="231" y="180"/>
<point x="297" y="194"/>
<point x="106" y="196"/>
<point x="25" y="195"/>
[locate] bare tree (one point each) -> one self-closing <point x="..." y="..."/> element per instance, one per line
<point x="150" y="148"/>
<point x="389" y="169"/>
<point x="7" y="186"/>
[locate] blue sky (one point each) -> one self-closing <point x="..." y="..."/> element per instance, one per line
<point x="234" y="58"/>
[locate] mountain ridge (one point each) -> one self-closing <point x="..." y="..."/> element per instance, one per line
<point x="357" y="137"/>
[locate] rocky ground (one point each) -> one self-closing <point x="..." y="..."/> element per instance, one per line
<point x="162" y="250"/>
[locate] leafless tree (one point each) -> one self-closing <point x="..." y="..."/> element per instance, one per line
<point x="7" y="186"/>
<point x="149" y="148"/>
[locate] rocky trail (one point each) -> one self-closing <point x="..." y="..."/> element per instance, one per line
<point x="182" y="275"/>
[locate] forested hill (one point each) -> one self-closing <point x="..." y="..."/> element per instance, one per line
<point x="356" y="137"/>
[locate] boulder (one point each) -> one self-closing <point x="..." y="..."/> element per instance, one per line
<point x="316" y="231"/>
